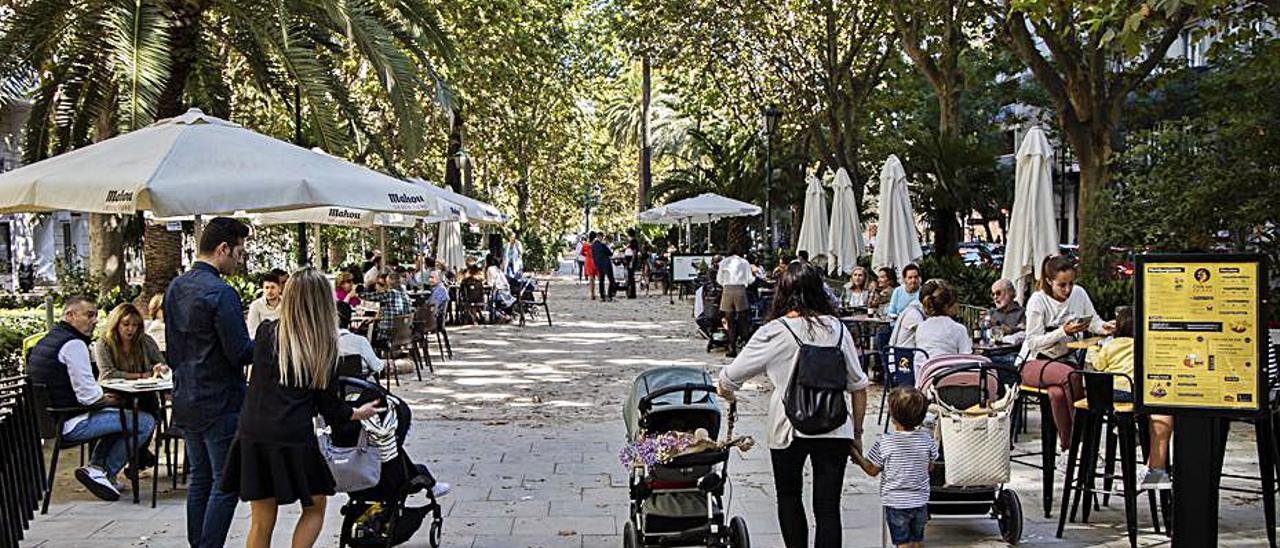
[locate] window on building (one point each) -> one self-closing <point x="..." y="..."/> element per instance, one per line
<point x="6" y="249"/>
<point x="69" y="255"/>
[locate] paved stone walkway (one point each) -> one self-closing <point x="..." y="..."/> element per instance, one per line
<point x="526" y="423"/>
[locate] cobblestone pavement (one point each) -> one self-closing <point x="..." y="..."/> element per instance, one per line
<point x="526" y="424"/>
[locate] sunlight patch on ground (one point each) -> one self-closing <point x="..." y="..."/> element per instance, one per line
<point x="619" y="324"/>
<point x="474" y="381"/>
<point x="656" y="361"/>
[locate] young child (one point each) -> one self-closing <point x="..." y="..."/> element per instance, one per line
<point x="1117" y="357"/>
<point x="905" y="455"/>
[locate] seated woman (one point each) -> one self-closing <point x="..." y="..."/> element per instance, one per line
<point x="345" y="289"/>
<point x="1117" y="357"/>
<point x="939" y="334"/>
<point x="493" y="275"/>
<point x="351" y="344"/>
<point x="124" y="351"/>
<point x="859" y="290"/>
<point x="155" y="326"/>
<point x="1057" y="312"/>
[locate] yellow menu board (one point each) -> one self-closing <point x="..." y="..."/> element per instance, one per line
<point x="1199" y="334"/>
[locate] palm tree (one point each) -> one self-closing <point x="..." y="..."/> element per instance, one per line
<point x="723" y="162"/>
<point x="627" y="116"/>
<point x="131" y="61"/>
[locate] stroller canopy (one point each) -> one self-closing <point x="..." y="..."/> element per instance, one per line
<point x="670" y="411"/>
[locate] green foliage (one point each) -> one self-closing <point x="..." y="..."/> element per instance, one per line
<point x="118" y="296"/>
<point x="73" y="279"/>
<point x="972" y="284"/>
<point x="1107" y="294"/>
<point x="13" y="329"/>
<point x="541" y="251"/>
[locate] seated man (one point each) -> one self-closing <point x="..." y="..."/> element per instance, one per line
<point x="351" y="344"/>
<point x="392" y="303"/>
<point x="1008" y="320"/>
<point x="439" y="292"/>
<point x="60" y="362"/>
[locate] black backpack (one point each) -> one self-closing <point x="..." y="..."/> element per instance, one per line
<point x="815" y="401"/>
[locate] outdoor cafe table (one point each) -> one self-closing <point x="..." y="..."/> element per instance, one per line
<point x="995" y="348"/>
<point x="134" y="389"/>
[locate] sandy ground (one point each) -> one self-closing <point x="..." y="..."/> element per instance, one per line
<point x="526" y="422"/>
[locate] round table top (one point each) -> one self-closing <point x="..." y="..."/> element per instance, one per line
<point x="1084" y="344"/>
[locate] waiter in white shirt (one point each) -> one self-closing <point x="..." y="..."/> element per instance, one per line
<point x="734" y="276"/>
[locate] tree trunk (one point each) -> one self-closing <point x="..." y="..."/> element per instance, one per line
<point x="646" y="151"/>
<point x="453" y="171"/>
<point x="162" y="250"/>
<point x="949" y="110"/>
<point x="946" y="231"/>
<point x="106" y="251"/>
<point x="1095" y="174"/>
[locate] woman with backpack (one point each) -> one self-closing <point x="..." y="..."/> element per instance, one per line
<point x="816" y="409"/>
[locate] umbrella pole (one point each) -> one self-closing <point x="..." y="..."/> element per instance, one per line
<point x="382" y="244"/>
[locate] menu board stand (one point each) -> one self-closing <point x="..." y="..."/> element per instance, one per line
<point x="1200" y="355"/>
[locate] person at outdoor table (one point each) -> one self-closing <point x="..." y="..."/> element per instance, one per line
<point x="392" y="302"/>
<point x="351" y="344"/>
<point x="155" y="326"/>
<point x="859" y="293"/>
<point x="275" y="459"/>
<point x="1007" y="316"/>
<point x="60" y="362"/>
<point x="906" y="293"/>
<point x="372" y="268"/>
<point x="124" y="351"/>
<point x="801" y="312"/>
<point x="939" y="334"/>
<point x="1057" y="312"/>
<point x="208" y="348"/>
<point x="734" y="276"/>
<point x="345" y="289"/>
<point x="439" y="291"/>
<point x="783" y="261"/>
<point x="501" y="286"/>
<point x="1116" y="356"/>
<point x="903" y="331"/>
<point x="267" y="307"/>
<point x="602" y="256"/>
<point x="886" y="284"/>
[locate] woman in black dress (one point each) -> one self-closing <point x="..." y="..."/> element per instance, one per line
<point x="275" y="458"/>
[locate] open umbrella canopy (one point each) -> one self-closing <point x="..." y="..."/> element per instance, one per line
<point x="703" y="208"/>
<point x="345" y="216"/>
<point x="196" y="164"/>
<point x="1032" y="235"/>
<point x="471" y="209"/>
<point x="449" y="245"/>
<point x="814" y="226"/>
<point x="846" y="230"/>
<point x="897" y="241"/>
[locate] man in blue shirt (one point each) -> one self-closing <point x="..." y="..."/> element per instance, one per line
<point x="208" y="348"/>
<point x="906" y="293"/>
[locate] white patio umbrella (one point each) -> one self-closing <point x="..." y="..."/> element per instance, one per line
<point x="449" y="245"/>
<point x="1032" y="235"/>
<point x="815" y="224"/>
<point x="196" y="164"/>
<point x="897" y="241"/>
<point x="474" y="211"/>
<point x="703" y="208"/>
<point x="845" y="238"/>
<point x="338" y="216"/>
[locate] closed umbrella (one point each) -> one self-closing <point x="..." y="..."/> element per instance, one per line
<point x="814" y="226"/>
<point x="196" y="164"/>
<point x="1032" y="235"/>
<point x="897" y="241"/>
<point x="846" y="230"/>
<point x="449" y="245"/>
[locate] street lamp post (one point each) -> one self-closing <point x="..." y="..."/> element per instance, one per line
<point x="769" y="116"/>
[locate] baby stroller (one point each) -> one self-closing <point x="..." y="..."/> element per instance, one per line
<point x="681" y="502"/>
<point x="381" y="515"/>
<point x="970" y="403"/>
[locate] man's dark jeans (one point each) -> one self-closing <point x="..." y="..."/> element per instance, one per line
<point x="209" y="510"/>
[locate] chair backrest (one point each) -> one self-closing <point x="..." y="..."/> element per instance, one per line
<point x="429" y="318"/>
<point x="473" y="292"/>
<point x="351" y="366"/>
<point x="902" y="362"/>
<point x="47" y="423"/>
<point x="28" y="343"/>
<point x="1100" y="389"/>
<point x="402" y="330"/>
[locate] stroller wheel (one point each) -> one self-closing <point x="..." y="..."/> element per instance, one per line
<point x="738" y="536"/>
<point x="630" y="538"/>
<point x="433" y="535"/>
<point x="1008" y="510"/>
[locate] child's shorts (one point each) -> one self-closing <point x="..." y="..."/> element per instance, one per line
<point x="906" y="525"/>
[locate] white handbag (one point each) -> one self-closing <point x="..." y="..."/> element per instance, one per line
<point x="976" y="445"/>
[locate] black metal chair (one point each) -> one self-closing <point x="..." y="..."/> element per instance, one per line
<point x="21" y="461"/>
<point x="51" y="421"/>
<point x="529" y="302"/>
<point x="900" y="370"/>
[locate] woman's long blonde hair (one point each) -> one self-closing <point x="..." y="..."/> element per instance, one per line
<point x="307" y="337"/>
<point x="130" y="356"/>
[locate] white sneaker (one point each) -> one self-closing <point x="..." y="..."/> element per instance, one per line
<point x="1153" y="479"/>
<point x="96" y="482"/>
<point x="441" y="489"/>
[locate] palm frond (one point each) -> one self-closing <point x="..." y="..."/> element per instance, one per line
<point x="137" y="38"/>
